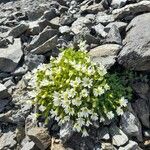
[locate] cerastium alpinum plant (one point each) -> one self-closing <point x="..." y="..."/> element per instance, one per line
<point x="73" y="88"/>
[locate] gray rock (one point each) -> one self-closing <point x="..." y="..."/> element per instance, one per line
<point x="34" y="27"/>
<point x="3" y="104"/>
<point x="7" y="141"/>
<point x="3" y="43"/>
<point x="55" y="23"/>
<point x="32" y="61"/>
<point x="3" y="92"/>
<point x="103" y="18"/>
<point x="50" y="14"/>
<point x="120" y="25"/>
<point x="118" y="3"/>
<point x="46" y="47"/>
<point x="18" y="30"/>
<point x="131" y="10"/>
<point x="103" y="134"/>
<point x="64" y="29"/>
<point x="29" y="146"/>
<point x="114" y="36"/>
<point x="136" y="51"/>
<point x="99" y="28"/>
<point x="40" y="137"/>
<point x="130" y="124"/>
<point x="118" y="137"/>
<point x="107" y="146"/>
<point x="141" y="89"/>
<point x="142" y="110"/>
<point x="130" y="146"/>
<point x="105" y="54"/>
<point x="10" y="57"/>
<point x="79" y="24"/>
<point x="67" y="20"/>
<point x="146" y="133"/>
<point x="66" y="131"/>
<point x="42" y="38"/>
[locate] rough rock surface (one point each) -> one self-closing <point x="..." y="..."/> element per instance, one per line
<point x="136" y="51"/>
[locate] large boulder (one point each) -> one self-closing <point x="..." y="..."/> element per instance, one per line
<point x="10" y="57"/>
<point x="135" y="54"/>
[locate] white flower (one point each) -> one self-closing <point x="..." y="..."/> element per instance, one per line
<point x="87" y="82"/>
<point x="56" y="99"/>
<point x="110" y="115"/>
<point x="90" y="71"/>
<point x="80" y="121"/>
<point x="84" y="93"/>
<point x="99" y="91"/>
<point x="83" y="68"/>
<point x="101" y="70"/>
<point x="73" y="63"/>
<point x="48" y="72"/>
<point x="84" y="133"/>
<point x="53" y="113"/>
<point x="77" y="127"/>
<point x="77" y="67"/>
<point x="32" y="94"/>
<point x="88" y="122"/>
<point x="119" y="111"/>
<point x="44" y="82"/>
<point x="76" y="101"/>
<point x="76" y="82"/>
<point x="106" y="87"/>
<point x="65" y="95"/>
<point x="123" y="102"/>
<point x="42" y="67"/>
<point x="94" y="116"/>
<point x="72" y="93"/>
<point x="84" y="112"/>
<point x="102" y="119"/>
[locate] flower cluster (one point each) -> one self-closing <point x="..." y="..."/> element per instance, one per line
<point x="72" y="88"/>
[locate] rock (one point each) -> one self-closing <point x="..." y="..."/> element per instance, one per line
<point x="142" y="110"/>
<point x="55" y="23"/>
<point x="131" y="10"/>
<point x="3" y="43"/>
<point x="114" y="36"/>
<point x="3" y="104"/>
<point x="42" y="38"/>
<point x="120" y="25"/>
<point x="64" y="29"/>
<point x="118" y="137"/>
<point x="131" y="126"/>
<point x="103" y="134"/>
<point x="93" y="9"/>
<point x="18" y="30"/>
<point x="141" y="89"/>
<point x="50" y="14"/>
<point x="146" y="133"/>
<point x="66" y="131"/>
<point x="10" y="57"/>
<point x="107" y="146"/>
<point x="46" y="47"/>
<point x="32" y="61"/>
<point x="67" y="20"/>
<point x="40" y="137"/>
<point x="130" y="146"/>
<point x="118" y="3"/>
<point x="29" y="146"/>
<point x="34" y="27"/>
<point x="103" y="18"/>
<point x="105" y="54"/>
<point x="136" y="51"/>
<point x="99" y="29"/>
<point x="79" y="24"/>
<point x="105" y="50"/>
<point x="3" y="92"/>
<point x="7" y="141"/>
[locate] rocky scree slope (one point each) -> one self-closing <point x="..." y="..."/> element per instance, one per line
<point x="31" y="31"/>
